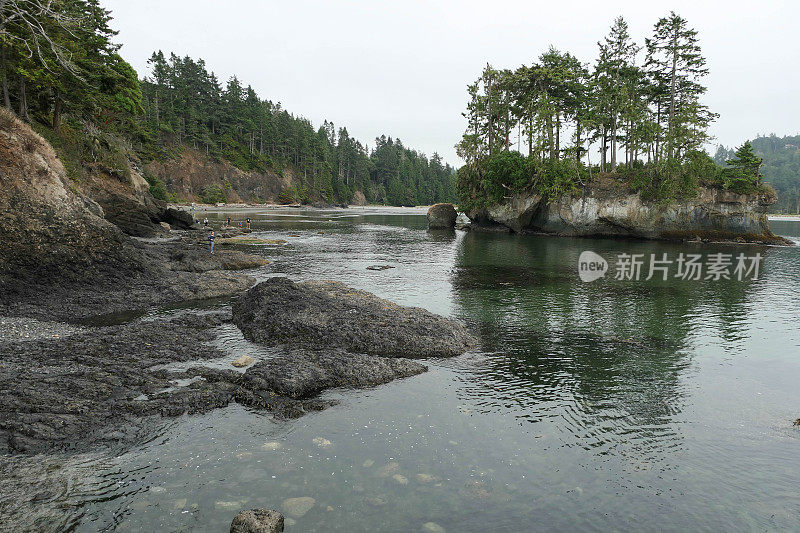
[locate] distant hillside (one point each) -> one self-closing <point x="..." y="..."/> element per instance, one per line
<point x="186" y="106"/>
<point x="781" y="168"/>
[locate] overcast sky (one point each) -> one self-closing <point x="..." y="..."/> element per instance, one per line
<point x="401" y="67"/>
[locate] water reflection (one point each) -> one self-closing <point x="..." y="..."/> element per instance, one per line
<point x="602" y="361"/>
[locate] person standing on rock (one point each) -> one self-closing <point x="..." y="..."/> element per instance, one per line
<point x="211" y="240"/>
<point x="205" y="222"/>
<point x="248" y="222"/>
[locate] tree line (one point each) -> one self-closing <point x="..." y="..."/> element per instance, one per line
<point x="58" y="58"/>
<point x="61" y="71"/>
<point x="641" y="121"/>
<point x="185" y="104"/>
<point x="780" y="167"/>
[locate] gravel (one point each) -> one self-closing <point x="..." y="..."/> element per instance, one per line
<point x="29" y="329"/>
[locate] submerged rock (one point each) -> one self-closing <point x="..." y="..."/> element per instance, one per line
<point x="400" y="479"/>
<point x="442" y="216"/>
<point x="321" y="442"/>
<point x="242" y="361"/>
<point x="226" y="505"/>
<point x="331" y="315"/>
<point x="388" y="470"/>
<point x="432" y="527"/>
<point x="298" y="507"/>
<point x="257" y="521"/>
<point x="376" y="501"/>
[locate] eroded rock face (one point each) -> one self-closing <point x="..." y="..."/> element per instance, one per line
<point x="177" y="218"/>
<point x="715" y="214"/>
<point x="257" y="521"/>
<point x="192" y="172"/>
<point x="359" y="198"/>
<point x="59" y="257"/>
<point x="322" y="315"/>
<point x="47" y="231"/>
<point x="129" y="205"/>
<point x="442" y="216"/>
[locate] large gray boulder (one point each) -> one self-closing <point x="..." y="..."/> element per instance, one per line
<point x="257" y="521"/>
<point x="330" y="315"/>
<point x="442" y="216"/>
<point x="302" y="374"/>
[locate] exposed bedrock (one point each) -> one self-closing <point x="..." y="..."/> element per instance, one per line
<point x="61" y="259"/>
<point x="714" y="214"/>
<point x="331" y="315"/>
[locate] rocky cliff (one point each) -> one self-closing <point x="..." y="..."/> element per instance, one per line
<point x="603" y="211"/>
<point x="61" y="256"/>
<point x="127" y="202"/>
<point x="48" y="230"/>
<point x="192" y="172"/>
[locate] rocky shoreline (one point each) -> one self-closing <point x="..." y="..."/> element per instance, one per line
<point x="74" y="378"/>
<point x="168" y="272"/>
<point x="608" y="209"/>
<point x="72" y="388"/>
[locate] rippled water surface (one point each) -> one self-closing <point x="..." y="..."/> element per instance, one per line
<point x="644" y="405"/>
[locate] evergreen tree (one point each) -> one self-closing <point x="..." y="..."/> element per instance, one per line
<point x="745" y="164"/>
<point x="648" y="117"/>
<point x="676" y="66"/>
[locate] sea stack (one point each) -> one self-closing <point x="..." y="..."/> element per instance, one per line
<point x="442" y="216"/>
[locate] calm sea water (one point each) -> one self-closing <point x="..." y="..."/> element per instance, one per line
<point x="613" y="405"/>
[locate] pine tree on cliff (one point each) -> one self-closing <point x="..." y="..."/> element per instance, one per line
<point x="676" y="66"/>
<point x="745" y="164"/>
<point x="614" y="66"/>
<point x="564" y="79"/>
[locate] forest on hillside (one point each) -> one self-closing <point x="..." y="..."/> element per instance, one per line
<point x="185" y="105"/>
<point x="635" y="115"/>
<point x="780" y="167"/>
<point x="61" y="70"/>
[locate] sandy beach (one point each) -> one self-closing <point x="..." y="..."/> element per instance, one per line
<point x="273" y="208"/>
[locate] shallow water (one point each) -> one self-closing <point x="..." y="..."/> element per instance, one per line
<point x="645" y="405"/>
